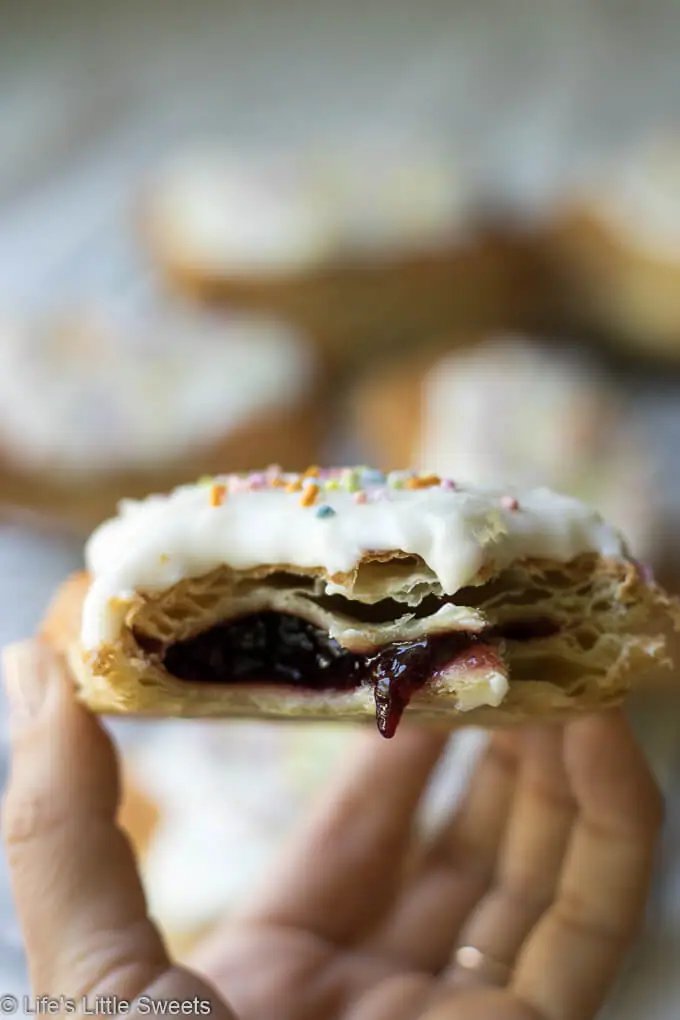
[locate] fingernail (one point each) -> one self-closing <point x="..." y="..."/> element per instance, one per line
<point x="29" y="668"/>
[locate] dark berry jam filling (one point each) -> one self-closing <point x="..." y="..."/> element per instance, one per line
<point x="278" y="648"/>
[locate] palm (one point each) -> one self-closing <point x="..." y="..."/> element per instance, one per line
<point x="312" y="978"/>
<point x="361" y="920"/>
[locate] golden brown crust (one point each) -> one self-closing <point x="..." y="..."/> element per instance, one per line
<point x="289" y="436"/>
<point x="615" y="286"/>
<point x="387" y="410"/>
<point x="363" y="308"/>
<point x="604" y="609"/>
<point x="387" y="407"/>
<point x="61" y="624"/>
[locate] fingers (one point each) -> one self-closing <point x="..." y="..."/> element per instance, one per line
<point x="180" y="989"/>
<point x="74" y="879"/>
<point x="340" y="872"/>
<point x="73" y="875"/>
<point x="425" y="922"/>
<point x="570" y="959"/>
<point x="531" y="854"/>
<point x="478" y="1004"/>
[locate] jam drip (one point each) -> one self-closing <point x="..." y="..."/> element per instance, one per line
<point x="278" y="648"/>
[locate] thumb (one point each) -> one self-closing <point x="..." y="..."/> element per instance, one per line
<point x="75" y="882"/>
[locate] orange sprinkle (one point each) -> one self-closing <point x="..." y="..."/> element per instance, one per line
<point x="308" y="497"/>
<point x="424" y="482"/>
<point x="278" y="483"/>
<point x="312" y="472"/>
<point x="218" y="494"/>
<point x="294" y="486"/>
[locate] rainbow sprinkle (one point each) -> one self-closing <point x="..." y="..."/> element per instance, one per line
<point x="350" y="480"/>
<point x="422" y="482"/>
<point x="365" y="484"/>
<point x="509" y="502"/>
<point x="370" y="476"/>
<point x="308" y="497"/>
<point x="218" y="494"/>
<point x="237" y="483"/>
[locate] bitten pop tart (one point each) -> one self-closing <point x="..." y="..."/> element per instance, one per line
<point x="350" y="595"/>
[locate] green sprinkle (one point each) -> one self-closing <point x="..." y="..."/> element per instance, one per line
<point x="351" y="480"/>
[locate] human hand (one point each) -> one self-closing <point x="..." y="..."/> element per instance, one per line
<point x="544" y="868"/>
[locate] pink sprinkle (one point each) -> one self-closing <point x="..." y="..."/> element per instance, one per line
<point x="645" y="571"/>
<point x="360" y="497"/>
<point x="273" y="471"/>
<point x="447" y="484"/>
<point x="509" y="503"/>
<point x="237" y="484"/>
<point x="255" y="481"/>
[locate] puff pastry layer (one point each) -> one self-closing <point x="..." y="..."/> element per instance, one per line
<point x="344" y="595"/>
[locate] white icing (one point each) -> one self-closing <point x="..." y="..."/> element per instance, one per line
<point x="155" y="543"/>
<point x="220" y="818"/>
<point x="490" y="691"/>
<point x="639" y="198"/>
<point x="113" y="388"/>
<point x="271" y="216"/>
<point x="223" y="215"/>
<point x="510" y="410"/>
<point x="396" y="198"/>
